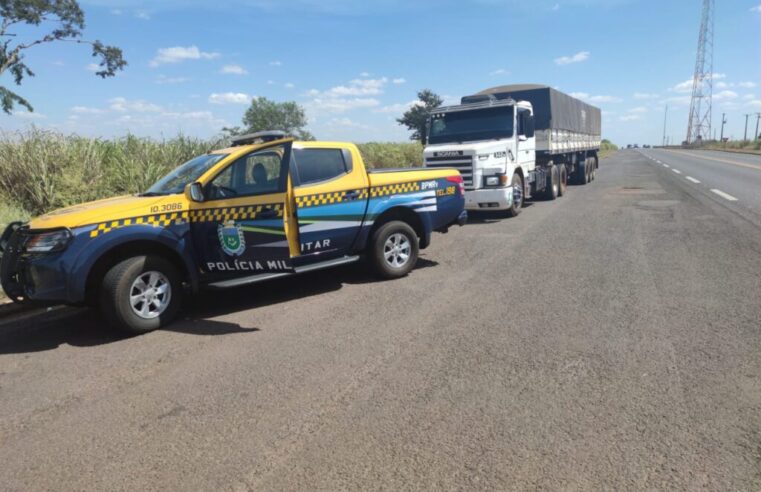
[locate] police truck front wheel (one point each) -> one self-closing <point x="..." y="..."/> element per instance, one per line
<point x="393" y="250"/>
<point x="141" y="294"/>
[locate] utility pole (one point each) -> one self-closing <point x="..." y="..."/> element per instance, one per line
<point x="665" y="116"/>
<point x="758" y="118"/>
<point x="723" y="122"/>
<point x="745" y="138"/>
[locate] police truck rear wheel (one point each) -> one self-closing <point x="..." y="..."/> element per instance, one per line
<point x="141" y="294"/>
<point x="393" y="250"/>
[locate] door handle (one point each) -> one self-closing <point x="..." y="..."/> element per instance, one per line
<point x="351" y="195"/>
<point x="267" y="213"/>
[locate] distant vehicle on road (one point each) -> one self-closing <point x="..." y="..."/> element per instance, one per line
<point x="513" y="142"/>
<point x="264" y="208"/>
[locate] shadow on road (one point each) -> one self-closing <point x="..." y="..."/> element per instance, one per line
<point x="82" y="327"/>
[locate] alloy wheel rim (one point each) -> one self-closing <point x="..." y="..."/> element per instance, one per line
<point x="150" y="295"/>
<point x="517" y="195"/>
<point x="397" y="250"/>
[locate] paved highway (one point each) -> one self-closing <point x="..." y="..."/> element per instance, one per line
<point x="643" y="373"/>
<point x="732" y="176"/>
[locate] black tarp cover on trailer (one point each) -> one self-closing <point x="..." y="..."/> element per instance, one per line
<point x="552" y="109"/>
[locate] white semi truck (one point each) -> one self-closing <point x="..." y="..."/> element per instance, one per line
<point x="515" y="142"/>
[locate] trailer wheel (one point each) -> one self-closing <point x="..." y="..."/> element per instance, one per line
<point x="593" y="167"/>
<point x="552" y="189"/>
<point x="582" y="173"/>
<point x="141" y="294"/>
<point x="393" y="250"/>
<point x="563" y="181"/>
<point x="518" y="197"/>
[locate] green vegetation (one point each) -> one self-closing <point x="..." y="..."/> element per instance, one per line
<point x="264" y="114"/>
<point x="25" y="24"/>
<point x="752" y="146"/>
<point x="416" y="118"/>
<point x="42" y="170"/>
<point x="607" y="148"/>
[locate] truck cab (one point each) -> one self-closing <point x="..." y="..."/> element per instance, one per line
<point x="492" y="143"/>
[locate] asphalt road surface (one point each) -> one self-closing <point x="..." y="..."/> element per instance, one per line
<point x="609" y="340"/>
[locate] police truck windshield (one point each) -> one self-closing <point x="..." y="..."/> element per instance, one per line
<point x="176" y="181"/>
<point x="471" y="125"/>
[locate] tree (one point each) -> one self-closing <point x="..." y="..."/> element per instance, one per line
<point x="416" y="117"/>
<point x="66" y="21"/>
<point x="264" y="114"/>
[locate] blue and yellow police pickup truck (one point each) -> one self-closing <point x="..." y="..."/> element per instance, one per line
<point x="264" y="208"/>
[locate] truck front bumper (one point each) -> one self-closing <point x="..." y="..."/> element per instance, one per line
<point x="489" y="199"/>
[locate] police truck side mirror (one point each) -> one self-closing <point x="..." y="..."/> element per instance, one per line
<point x="194" y="192"/>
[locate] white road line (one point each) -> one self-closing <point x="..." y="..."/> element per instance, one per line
<point x="677" y="171"/>
<point x="690" y="178"/>
<point x="656" y="160"/>
<point x="665" y="165"/>
<point x="725" y="196"/>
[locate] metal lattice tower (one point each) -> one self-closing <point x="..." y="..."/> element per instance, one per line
<point x="699" y="125"/>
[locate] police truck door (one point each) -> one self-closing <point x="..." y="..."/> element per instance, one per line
<point x="239" y="230"/>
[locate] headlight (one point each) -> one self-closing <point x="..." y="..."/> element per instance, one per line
<point x="48" y="242"/>
<point x="492" y="181"/>
<point x="483" y="157"/>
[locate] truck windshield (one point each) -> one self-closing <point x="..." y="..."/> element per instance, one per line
<point x="476" y="124"/>
<point x="176" y="181"/>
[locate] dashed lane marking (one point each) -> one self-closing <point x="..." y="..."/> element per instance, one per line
<point x="690" y="178"/>
<point x="677" y="171"/>
<point x="725" y="196"/>
<point x="725" y="161"/>
<point x="665" y="165"/>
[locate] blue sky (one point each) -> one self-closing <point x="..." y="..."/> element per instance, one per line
<point x="356" y="66"/>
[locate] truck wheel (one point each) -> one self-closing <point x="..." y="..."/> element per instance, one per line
<point x="582" y="173"/>
<point x="141" y="294"/>
<point x="393" y="249"/>
<point x="552" y="189"/>
<point x="563" y="181"/>
<point x="518" y="197"/>
<point x="593" y="168"/>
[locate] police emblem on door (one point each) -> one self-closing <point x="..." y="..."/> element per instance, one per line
<point x="231" y="238"/>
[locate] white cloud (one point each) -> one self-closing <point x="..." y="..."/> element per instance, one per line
<point x="123" y="105"/>
<point x="723" y="95"/>
<point x="289" y="85"/>
<point x="755" y="103"/>
<point x="354" y="95"/>
<point x="397" y="108"/>
<point x="358" y="87"/>
<point x="686" y="86"/>
<point x="645" y="95"/>
<point x="579" y="95"/>
<point x="399" y="81"/>
<point x="756" y="9"/>
<point x="340" y="105"/>
<point x="179" y="54"/>
<point x="638" y="109"/>
<point x="749" y="96"/>
<point x="556" y="7"/>
<point x="117" y="12"/>
<point x="230" y="98"/>
<point x="346" y="123"/>
<point x="365" y="74"/>
<point x="499" y="71"/>
<point x="270" y="82"/>
<point x="163" y="79"/>
<point x="142" y="14"/>
<point x="578" y="57"/>
<point x="747" y="85"/>
<point x="26" y="115"/>
<point x="85" y="110"/>
<point x="629" y="117"/>
<point x="233" y="70"/>
<point x="276" y="63"/>
<point x="92" y="67"/>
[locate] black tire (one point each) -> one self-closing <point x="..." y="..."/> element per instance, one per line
<point x="563" y="180"/>
<point x="582" y="173"/>
<point x="119" y="285"/>
<point x="552" y="188"/>
<point x="593" y="168"/>
<point x="379" y="249"/>
<point x="515" y="209"/>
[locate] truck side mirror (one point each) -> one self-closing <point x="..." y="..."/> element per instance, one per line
<point x="194" y="192"/>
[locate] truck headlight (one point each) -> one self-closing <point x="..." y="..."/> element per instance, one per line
<point x="48" y="242"/>
<point x="492" y="181"/>
<point x="483" y="157"/>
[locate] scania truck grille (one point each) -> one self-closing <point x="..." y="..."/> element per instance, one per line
<point x="463" y="163"/>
